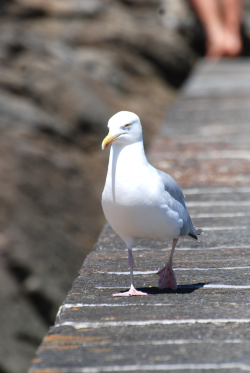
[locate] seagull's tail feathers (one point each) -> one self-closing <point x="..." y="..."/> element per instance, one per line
<point x="195" y="232"/>
<point x="192" y="235"/>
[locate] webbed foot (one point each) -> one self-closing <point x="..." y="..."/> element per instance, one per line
<point x="167" y="277"/>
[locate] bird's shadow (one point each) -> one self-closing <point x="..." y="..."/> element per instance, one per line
<point x="181" y="289"/>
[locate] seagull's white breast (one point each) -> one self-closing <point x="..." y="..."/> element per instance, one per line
<point x="134" y="200"/>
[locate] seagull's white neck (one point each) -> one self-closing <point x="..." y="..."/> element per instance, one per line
<point x="128" y="157"/>
<point x="126" y="163"/>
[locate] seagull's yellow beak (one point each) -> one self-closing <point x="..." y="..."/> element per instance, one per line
<point x="109" y="139"/>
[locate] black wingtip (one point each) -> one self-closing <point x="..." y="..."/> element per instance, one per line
<point x="192" y="235"/>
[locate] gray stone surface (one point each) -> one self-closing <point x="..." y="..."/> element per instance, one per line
<point x="204" y="325"/>
<point x="65" y="68"/>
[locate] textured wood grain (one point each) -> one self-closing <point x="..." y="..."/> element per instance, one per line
<point x="205" y="324"/>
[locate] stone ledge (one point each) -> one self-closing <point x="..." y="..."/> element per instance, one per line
<point x="205" y="323"/>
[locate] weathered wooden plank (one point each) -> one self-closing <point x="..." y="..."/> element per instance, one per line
<point x="230" y="78"/>
<point x="205" y="324"/>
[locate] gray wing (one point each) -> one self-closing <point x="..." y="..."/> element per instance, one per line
<point x="171" y="186"/>
<point x="177" y="204"/>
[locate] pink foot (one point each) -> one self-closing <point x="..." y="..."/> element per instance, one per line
<point x="130" y="292"/>
<point x="167" y="278"/>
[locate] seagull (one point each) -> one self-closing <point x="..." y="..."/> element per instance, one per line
<point x="140" y="201"/>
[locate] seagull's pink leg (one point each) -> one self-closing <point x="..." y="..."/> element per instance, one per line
<point x="167" y="277"/>
<point x="132" y="290"/>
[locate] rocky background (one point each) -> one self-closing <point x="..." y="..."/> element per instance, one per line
<point x="66" y="66"/>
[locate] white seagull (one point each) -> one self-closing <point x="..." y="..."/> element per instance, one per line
<point x="140" y="201"/>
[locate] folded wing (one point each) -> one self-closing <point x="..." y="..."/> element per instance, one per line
<point x="176" y="202"/>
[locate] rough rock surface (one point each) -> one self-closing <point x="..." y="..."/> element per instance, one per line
<point x="65" y="68"/>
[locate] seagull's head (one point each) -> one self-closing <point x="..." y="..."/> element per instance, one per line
<point x="124" y="128"/>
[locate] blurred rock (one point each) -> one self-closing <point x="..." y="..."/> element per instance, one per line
<point x="66" y="67"/>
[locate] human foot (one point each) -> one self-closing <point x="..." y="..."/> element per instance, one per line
<point x="233" y="44"/>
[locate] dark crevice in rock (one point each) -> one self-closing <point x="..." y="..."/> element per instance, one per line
<point x="174" y="77"/>
<point x="15" y="50"/>
<point x="32" y="13"/>
<point x="15" y="90"/>
<point x="141" y="3"/>
<point x="85" y="126"/>
<point x="3" y="4"/>
<point x="2" y="370"/>
<point x="83" y="138"/>
<point x="42" y="304"/>
<point x="27" y="338"/>
<point x="18" y="271"/>
<point x="53" y="134"/>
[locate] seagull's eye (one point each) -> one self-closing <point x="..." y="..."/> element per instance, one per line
<point x="127" y="125"/>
